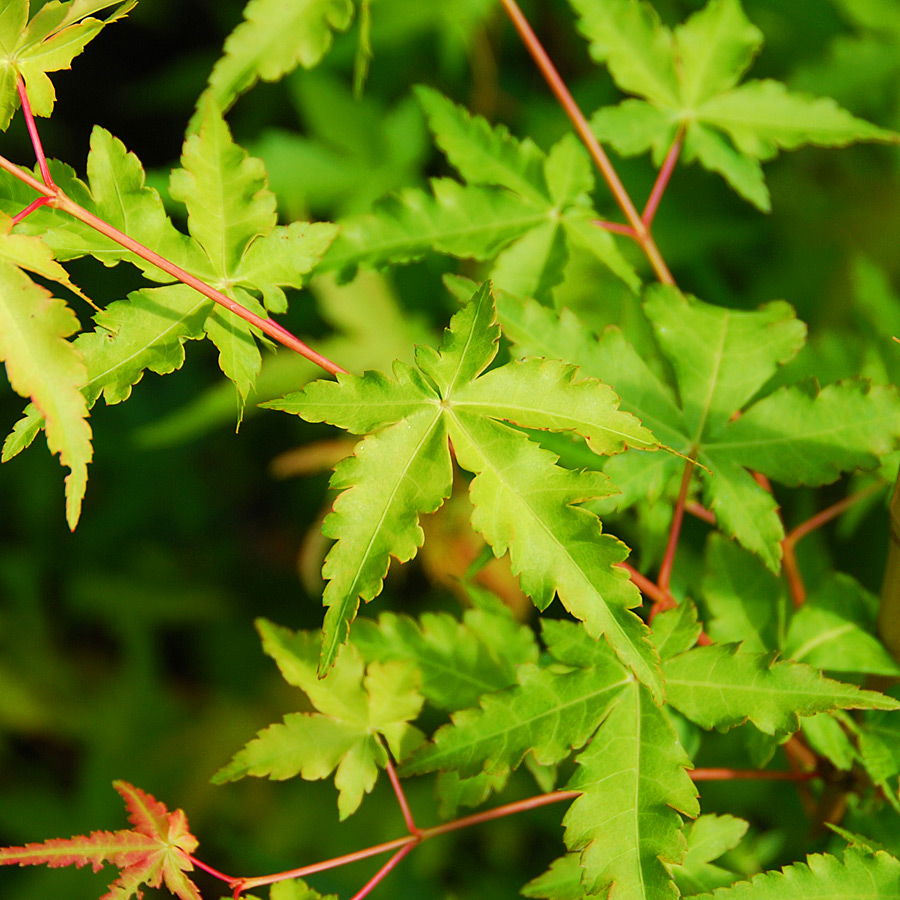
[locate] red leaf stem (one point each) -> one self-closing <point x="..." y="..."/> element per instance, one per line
<point x="35" y="204"/>
<point x="33" y="132"/>
<point x="616" y="227"/>
<point x="379" y="875"/>
<point x="662" y="180"/>
<point x="582" y="127"/>
<point x="401" y="798"/>
<point x="665" y="569"/>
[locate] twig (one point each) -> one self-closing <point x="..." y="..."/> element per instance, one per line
<point x="379" y="875"/>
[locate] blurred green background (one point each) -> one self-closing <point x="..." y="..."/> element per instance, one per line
<point x="127" y="649"/>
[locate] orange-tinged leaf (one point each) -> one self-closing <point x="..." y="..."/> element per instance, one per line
<point x="157" y="851"/>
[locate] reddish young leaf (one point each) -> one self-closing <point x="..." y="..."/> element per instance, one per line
<point x="157" y="851"/>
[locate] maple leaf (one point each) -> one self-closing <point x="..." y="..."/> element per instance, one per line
<point x="58" y="32"/>
<point x="358" y="709"/>
<point x="234" y="245"/>
<point x="530" y="207"/>
<point x="689" y="78"/>
<point x="721" y="685"/>
<point x="721" y="360"/>
<point x="523" y="502"/>
<point x="157" y="851"/>
<point x="635" y="788"/>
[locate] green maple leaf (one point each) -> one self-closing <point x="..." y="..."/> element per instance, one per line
<point x="635" y="789"/>
<point x="528" y="206"/>
<point x="551" y="710"/>
<point x="524" y="503"/>
<point x="459" y="661"/>
<point x="721" y="360"/>
<point x="274" y="39"/>
<point x="235" y="245"/>
<point x="40" y="362"/>
<point x="859" y="874"/>
<point x="721" y="685"/>
<point x="359" y="709"/>
<point x="156" y="852"/>
<point x="58" y="32"/>
<point x="689" y="78"/>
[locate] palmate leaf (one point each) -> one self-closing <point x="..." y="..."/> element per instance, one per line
<point x="721" y="685"/>
<point x="551" y="710"/>
<point x="528" y="206"/>
<point x="635" y="788"/>
<point x="721" y="360"/>
<point x="58" y="32"/>
<point x="689" y="78"/>
<point x="859" y="874"/>
<point x="156" y="852"/>
<point x="359" y="709"/>
<point x="524" y="502"/>
<point x="274" y="38"/>
<point x="235" y="245"/>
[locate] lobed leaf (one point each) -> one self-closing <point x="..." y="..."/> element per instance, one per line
<point x="688" y="80"/>
<point x="357" y="710"/>
<point x="157" y="852"/>
<point x="58" y="32"/>
<point x="524" y="503"/>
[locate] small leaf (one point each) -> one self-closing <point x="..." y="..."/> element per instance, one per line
<point x="357" y="710"/>
<point x="157" y="852"/>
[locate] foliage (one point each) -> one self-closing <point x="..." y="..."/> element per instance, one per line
<point x="661" y="458"/>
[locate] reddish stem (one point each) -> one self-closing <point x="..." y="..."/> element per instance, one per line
<point x="660" y="598"/>
<point x="33" y="133"/>
<point x="665" y="570"/>
<point x="749" y="774"/>
<point x="791" y="568"/>
<point x="662" y="180"/>
<point x="58" y="200"/>
<point x="616" y="227"/>
<point x="558" y="86"/>
<point x="379" y="875"/>
<point x="700" y="512"/>
<point x="401" y="797"/>
<point x="35" y="204"/>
